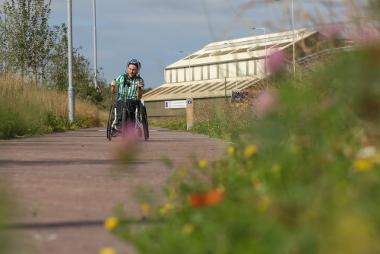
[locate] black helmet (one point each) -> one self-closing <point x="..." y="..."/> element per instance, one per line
<point x="134" y="62"/>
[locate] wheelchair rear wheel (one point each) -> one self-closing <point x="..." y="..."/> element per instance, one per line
<point x="111" y="117"/>
<point x="144" y="121"/>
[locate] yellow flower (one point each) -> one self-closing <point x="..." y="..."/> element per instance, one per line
<point x="107" y="250"/>
<point x="231" y="150"/>
<point x="202" y="164"/>
<point x="111" y="223"/>
<point x="250" y="151"/>
<point x="188" y="229"/>
<point x="276" y="168"/>
<point x="363" y="165"/>
<point x="172" y="194"/>
<point x="182" y="172"/>
<point x="146" y="209"/>
<point x="167" y="208"/>
<point x="263" y="204"/>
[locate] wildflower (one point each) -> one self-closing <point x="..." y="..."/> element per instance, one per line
<point x="126" y="149"/>
<point x="363" y="165"/>
<point x="202" y="164"/>
<point x="265" y="103"/>
<point x="111" y="223"/>
<point x="196" y="200"/>
<point x="182" y="172"/>
<point x="172" y="194"/>
<point x="166" y="209"/>
<point x="276" y="61"/>
<point x="250" y="151"/>
<point x="188" y="229"/>
<point x="256" y="184"/>
<point x="210" y="198"/>
<point x="231" y="150"/>
<point x="213" y="197"/>
<point x="107" y="250"/>
<point x="145" y="209"/>
<point x="366" y="152"/>
<point x="365" y="33"/>
<point x="276" y="168"/>
<point x="263" y="204"/>
<point x="332" y="31"/>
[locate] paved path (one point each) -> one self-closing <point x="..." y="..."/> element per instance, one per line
<point x="73" y="177"/>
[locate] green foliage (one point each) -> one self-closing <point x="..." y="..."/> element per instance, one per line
<point x="28" y="37"/>
<point x="38" y="52"/>
<point x="174" y="124"/>
<point x="302" y="178"/>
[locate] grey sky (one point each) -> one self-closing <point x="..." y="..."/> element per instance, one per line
<point x="154" y="31"/>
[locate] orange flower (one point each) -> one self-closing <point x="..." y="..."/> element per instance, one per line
<point x="212" y="197"/>
<point x="196" y="200"/>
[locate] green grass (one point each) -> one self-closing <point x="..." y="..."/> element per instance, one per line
<point x="221" y="120"/>
<point x="303" y="177"/>
<point x="27" y="110"/>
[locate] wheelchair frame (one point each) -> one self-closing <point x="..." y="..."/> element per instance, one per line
<point x="141" y="121"/>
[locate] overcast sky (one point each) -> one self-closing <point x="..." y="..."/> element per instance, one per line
<point x="154" y="31"/>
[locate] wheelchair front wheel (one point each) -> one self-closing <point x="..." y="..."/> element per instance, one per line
<point x="111" y="117"/>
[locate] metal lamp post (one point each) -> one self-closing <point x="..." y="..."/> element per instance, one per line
<point x="95" y="47"/>
<point x="294" y="37"/>
<point x="71" y="97"/>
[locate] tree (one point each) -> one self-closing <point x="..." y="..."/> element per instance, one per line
<point x="32" y="48"/>
<point x="26" y="36"/>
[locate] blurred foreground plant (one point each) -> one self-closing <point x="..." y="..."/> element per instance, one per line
<point x="303" y="177"/>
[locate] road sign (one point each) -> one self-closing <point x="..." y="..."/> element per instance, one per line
<point x="175" y="104"/>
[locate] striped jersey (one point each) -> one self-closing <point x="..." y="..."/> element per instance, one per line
<point x="127" y="86"/>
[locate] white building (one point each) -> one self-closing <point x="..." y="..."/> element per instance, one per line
<point x="220" y="68"/>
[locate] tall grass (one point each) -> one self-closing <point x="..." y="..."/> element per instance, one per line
<point x="28" y="109"/>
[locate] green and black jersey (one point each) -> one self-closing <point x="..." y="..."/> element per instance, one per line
<point x="127" y="87"/>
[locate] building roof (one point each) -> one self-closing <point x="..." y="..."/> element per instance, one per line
<point x="199" y="89"/>
<point x="243" y="49"/>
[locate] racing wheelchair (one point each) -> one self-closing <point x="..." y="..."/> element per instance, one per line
<point x="140" y="126"/>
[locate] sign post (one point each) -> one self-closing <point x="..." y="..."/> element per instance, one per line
<point x="189" y="113"/>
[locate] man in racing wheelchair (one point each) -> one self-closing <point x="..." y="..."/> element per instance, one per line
<point x="129" y="92"/>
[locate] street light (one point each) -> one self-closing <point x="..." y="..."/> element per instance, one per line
<point x="71" y="98"/>
<point x="294" y="37"/>
<point x="266" y="52"/>
<point x="95" y="48"/>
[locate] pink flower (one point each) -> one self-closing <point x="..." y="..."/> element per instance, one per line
<point x="365" y="33"/>
<point x="276" y="61"/>
<point x="127" y="147"/>
<point x="332" y="31"/>
<point x="265" y="103"/>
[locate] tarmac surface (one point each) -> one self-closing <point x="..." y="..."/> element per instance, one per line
<point x="65" y="185"/>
